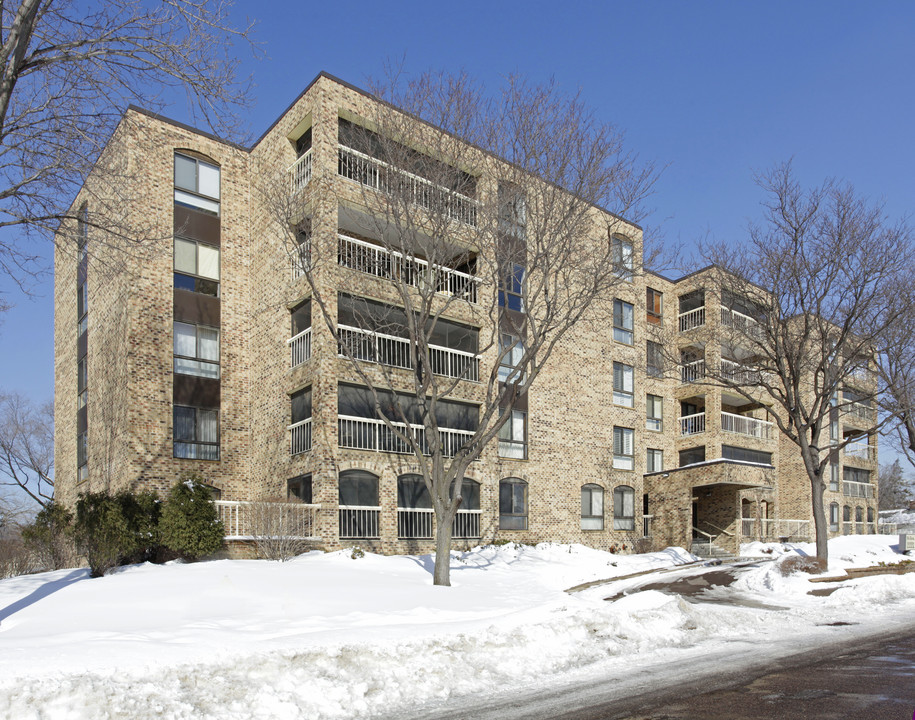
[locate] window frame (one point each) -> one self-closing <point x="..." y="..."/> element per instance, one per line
<point x="654" y="423"/>
<point x="621" y="333"/>
<point x="834" y="513"/>
<point x="82" y="382"/>
<point x="515" y="516"/>
<point x="194" y="197"/>
<point x="196" y="442"/>
<point x="623" y="262"/>
<point x="299" y="480"/>
<point x="197" y="357"/>
<point x="621" y="521"/>
<point x="511" y="350"/>
<point x="200" y="283"/>
<point x="592" y="520"/>
<point x="82" y="456"/>
<point x="654" y="456"/>
<point x="654" y="306"/>
<point x="621" y="459"/>
<point x="653" y="348"/>
<point x="509" y="444"/>
<point x="512" y="278"/>
<point x="621" y="395"/>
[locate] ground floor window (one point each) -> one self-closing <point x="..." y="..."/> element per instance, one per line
<point x="359" y="508"/>
<point x="299" y="488"/>
<point x="196" y="433"/>
<point x="623" y="508"/>
<point x="834" y="517"/>
<point x="592" y="507"/>
<point x="512" y="504"/>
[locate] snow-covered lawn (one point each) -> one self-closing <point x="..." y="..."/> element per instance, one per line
<point x="329" y="636"/>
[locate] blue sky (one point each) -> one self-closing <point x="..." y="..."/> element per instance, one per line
<point x="712" y="90"/>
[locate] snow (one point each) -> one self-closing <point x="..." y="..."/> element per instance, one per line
<point x="329" y="636"/>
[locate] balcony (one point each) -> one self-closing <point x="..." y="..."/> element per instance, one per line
<point x="359" y="433"/>
<point x="741" y="374"/>
<point x="741" y="323"/>
<point x="241" y="519"/>
<point x="861" y="451"/>
<point x="395" y="352"/>
<point x="692" y="371"/>
<point x="743" y="425"/>
<point x="300" y="437"/>
<point x="857" y="489"/>
<point x="391" y="265"/>
<point x="771" y="529"/>
<point x="692" y="319"/>
<point x="860" y="413"/>
<point x="692" y="424"/>
<point x="300" y="172"/>
<point x="300" y="347"/>
<point x="378" y="175"/>
<point x="419" y="524"/>
<point x="357" y="521"/>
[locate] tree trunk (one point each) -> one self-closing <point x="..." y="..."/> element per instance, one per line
<point x="819" y="517"/>
<point x="441" y="575"/>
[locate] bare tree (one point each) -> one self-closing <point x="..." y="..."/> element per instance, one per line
<point x="486" y="212"/>
<point x="895" y="488"/>
<point x="27" y="446"/>
<point x="897" y="370"/>
<point x="69" y="71"/>
<point x="812" y="280"/>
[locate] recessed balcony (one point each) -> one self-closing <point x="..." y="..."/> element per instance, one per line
<point x="748" y="426"/>
<point x="691" y="372"/>
<point x="692" y="319"/>
<point x="692" y="424"/>
<point x="861" y="451"/>
<point x="300" y="172"/>
<point x="360" y="433"/>
<point x="300" y="347"/>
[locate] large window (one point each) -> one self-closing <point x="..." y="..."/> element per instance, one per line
<point x="196" y="350"/>
<point x="621" y="256"/>
<point x="654" y="304"/>
<point x="196" y="433"/>
<point x="623" y="448"/>
<point x="511" y="292"/>
<point x="301" y="405"/>
<point x="299" y="488"/>
<point x="513" y="436"/>
<point x="733" y="452"/>
<point x="196" y="267"/>
<point x="623" y="508"/>
<point x="654" y="460"/>
<point x="512" y="504"/>
<point x="197" y="184"/>
<point x="654" y="413"/>
<point x="622" y="322"/>
<point x="300" y="316"/>
<point x="834" y="517"/>
<point x="857" y="475"/>
<point x="691" y="456"/>
<point x="622" y="385"/>
<point x="359" y="507"/>
<point x="592" y="507"/>
<point x="511" y="351"/>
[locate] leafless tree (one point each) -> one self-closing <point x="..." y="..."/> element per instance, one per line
<point x="477" y="210"/>
<point x="27" y="446"/>
<point x="897" y="370"/>
<point x="895" y="488"/>
<point x="69" y="70"/>
<point x="812" y="280"/>
<point x="279" y="528"/>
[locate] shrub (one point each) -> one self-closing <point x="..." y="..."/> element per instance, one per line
<point x="801" y="563"/>
<point x="189" y="523"/>
<point x="50" y="538"/>
<point x="280" y="528"/>
<point x="113" y="529"/>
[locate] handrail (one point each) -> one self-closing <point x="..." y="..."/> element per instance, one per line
<point x="720" y="530"/>
<point x="697" y="530"/>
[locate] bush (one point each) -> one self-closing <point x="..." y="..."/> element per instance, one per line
<point x="50" y="538"/>
<point x="280" y="528"/>
<point x="801" y="563"/>
<point x="189" y="523"/>
<point x="114" y="529"/>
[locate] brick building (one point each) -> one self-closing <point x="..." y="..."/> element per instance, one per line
<point x="206" y="355"/>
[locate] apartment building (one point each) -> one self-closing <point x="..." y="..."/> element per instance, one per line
<point x="210" y="355"/>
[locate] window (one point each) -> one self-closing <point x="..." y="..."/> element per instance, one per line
<point x="303" y="144"/>
<point x="834" y="517"/>
<point x="654" y="306"/>
<point x="592" y="507"/>
<point x="512" y="210"/>
<point x="833" y="419"/>
<point x="513" y="436"/>
<point x="301" y="405"/>
<point x="412" y="494"/>
<point x="623" y="508"/>
<point x="859" y="514"/>
<point x="732" y="452"/>
<point x="81" y="380"/>
<point x="691" y="456"/>
<point x="870" y="515"/>
<point x="301" y="254"/>
<point x="82" y="308"/>
<point x="622" y="385"/>
<point x="621" y="256"/>
<point x="512" y="504"/>
<point x="196" y="184"/>
<point x="622" y="322"/>
<point x="857" y="475"/>
<point x="196" y="433"/>
<point x="846" y="513"/>
<point x="833" y="477"/>
<point x="511" y="293"/>
<point x="358" y="500"/>
<point x="82" y="457"/>
<point x="654" y="413"/>
<point x="82" y="232"/>
<point x="196" y="350"/>
<point x="654" y="460"/>
<point x="196" y="267"/>
<point x="622" y="448"/>
<point x="654" y="359"/>
<point x="511" y="350"/>
<point x="299" y="488"/>
<point x="300" y="316"/>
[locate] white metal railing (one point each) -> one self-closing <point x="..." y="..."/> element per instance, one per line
<point x="888" y="528"/>
<point x="358" y="433"/>
<point x="742" y="323"/>
<point x="395" y="351"/>
<point x="300" y="172"/>
<point x="692" y="371"/>
<point x="419" y="524"/>
<point x="743" y="425"/>
<point x="646" y="525"/>
<point x="300" y="347"/>
<point x="692" y="319"/>
<point x="392" y="265"/>
<point x="692" y="424"/>
<point x="240" y="518"/>
<point x="772" y="529"/>
<point x="358" y="521"/>
<point x="862" y="376"/>
<point x="741" y="374"/>
<point x="301" y="437"/>
<point x="860" y="411"/>
<point x="857" y="489"/>
<point x="382" y="176"/>
<point x="861" y="451"/>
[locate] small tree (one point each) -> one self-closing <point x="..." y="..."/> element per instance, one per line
<point x="895" y="491"/>
<point x="50" y="537"/>
<point x="27" y="446"/>
<point x="111" y="529"/>
<point x="190" y="524"/>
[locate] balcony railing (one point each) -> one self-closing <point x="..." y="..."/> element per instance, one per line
<point x="395" y="351"/>
<point x="241" y="519"/>
<point x="300" y="347"/>
<point x="359" y="433"/>
<point x="692" y="371"/>
<point x="419" y="524"/>
<point x="861" y="452"/>
<point x="301" y="437"/>
<point x="741" y="374"/>
<point x="357" y="521"/>
<point x="772" y="529"/>
<point x="392" y="265"/>
<point x="692" y="319"/>
<point x="743" y="425"/>
<point x="300" y="172"/>
<point x="386" y="178"/>
<point x="692" y="424"/>
<point x="749" y="326"/>
<point x="860" y="411"/>
<point x="857" y="489"/>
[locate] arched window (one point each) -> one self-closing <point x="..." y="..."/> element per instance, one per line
<point x="512" y="504"/>
<point x="470" y="495"/>
<point x="359" y="508"/>
<point x="592" y="507"/>
<point x="834" y="517"/>
<point x="859" y="515"/>
<point x="623" y="508"/>
<point x="870" y="514"/>
<point x="846" y="519"/>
